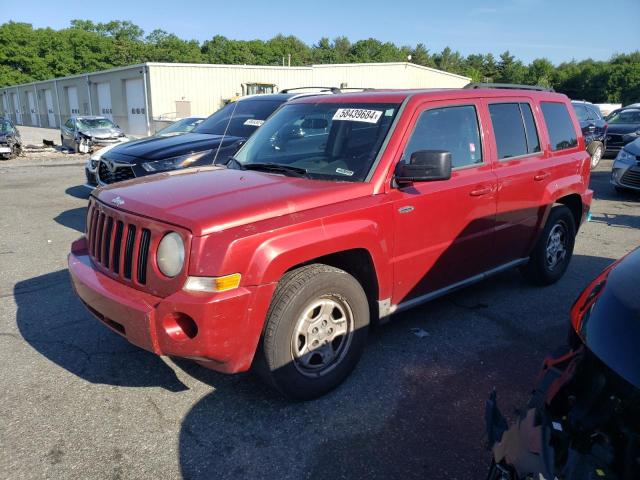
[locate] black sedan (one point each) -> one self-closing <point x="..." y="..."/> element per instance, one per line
<point x="583" y="419"/>
<point x="594" y="129"/>
<point x="10" y="141"/>
<point x="213" y="141"/>
<point x="624" y="127"/>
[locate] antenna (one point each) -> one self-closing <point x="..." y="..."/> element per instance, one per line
<point x="226" y="128"/>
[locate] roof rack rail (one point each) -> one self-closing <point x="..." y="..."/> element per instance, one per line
<point x="508" y="86"/>
<point x="322" y="89"/>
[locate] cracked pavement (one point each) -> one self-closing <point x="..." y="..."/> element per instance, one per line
<point x="77" y="401"/>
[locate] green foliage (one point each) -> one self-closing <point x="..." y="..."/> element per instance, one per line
<point x="28" y="54"/>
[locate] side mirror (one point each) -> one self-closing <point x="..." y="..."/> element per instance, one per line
<point x="425" y="166"/>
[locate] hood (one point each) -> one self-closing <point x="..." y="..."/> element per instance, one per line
<point x="210" y="199"/>
<point x="622" y="128"/>
<point x="611" y="327"/>
<point x="158" y="148"/>
<point x="101" y="132"/>
<point x="633" y="147"/>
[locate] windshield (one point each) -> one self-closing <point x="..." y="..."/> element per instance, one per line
<point x="239" y="119"/>
<point x="181" y="126"/>
<point x="5" y="127"/>
<point x="95" y="123"/>
<point x="331" y="141"/>
<point x="625" y="116"/>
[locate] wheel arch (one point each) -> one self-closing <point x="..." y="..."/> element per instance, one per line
<point x="573" y="202"/>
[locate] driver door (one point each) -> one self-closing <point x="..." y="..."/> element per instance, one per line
<point x="443" y="229"/>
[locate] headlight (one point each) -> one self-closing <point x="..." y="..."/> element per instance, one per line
<point x="170" y="255"/>
<point x="176" y="162"/>
<point x="625" y="157"/>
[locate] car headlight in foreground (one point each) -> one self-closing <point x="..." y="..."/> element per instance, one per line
<point x="625" y="157"/>
<point x="170" y="255"/>
<point x="175" y="162"/>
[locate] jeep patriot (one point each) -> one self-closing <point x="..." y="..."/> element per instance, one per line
<point x="339" y="211"/>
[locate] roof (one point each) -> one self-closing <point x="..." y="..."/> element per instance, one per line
<point x="398" y="96"/>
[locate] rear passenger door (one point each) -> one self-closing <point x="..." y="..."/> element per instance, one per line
<point x="443" y="229"/>
<point x="523" y="174"/>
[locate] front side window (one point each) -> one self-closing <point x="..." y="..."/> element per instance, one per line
<point x="5" y="127"/>
<point x="453" y="129"/>
<point x="69" y="124"/>
<point x="559" y="125"/>
<point x="328" y="141"/>
<point x="514" y="129"/>
<point x="238" y="119"/>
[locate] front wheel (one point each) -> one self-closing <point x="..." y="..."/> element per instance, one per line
<point x="552" y="253"/>
<point x="315" y="332"/>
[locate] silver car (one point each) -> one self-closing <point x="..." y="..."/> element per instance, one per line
<point x="625" y="174"/>
<point x="82" y="133"/>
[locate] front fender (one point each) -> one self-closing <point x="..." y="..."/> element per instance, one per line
<point x="280" y="253"/>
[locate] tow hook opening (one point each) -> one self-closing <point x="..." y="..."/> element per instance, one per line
<point x="180" y="326"/>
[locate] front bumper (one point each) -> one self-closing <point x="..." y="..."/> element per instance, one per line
<point x="92" y="178"/>
<point x="229" y="324"/>
<point x="626" y="176"/>
<point x="5" y="149"/>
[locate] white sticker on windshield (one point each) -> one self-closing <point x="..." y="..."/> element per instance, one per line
<point x="344" y="171"/>
<point x="254" y="122"/>
<point x="358" y="115"/>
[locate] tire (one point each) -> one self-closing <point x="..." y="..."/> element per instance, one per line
<point x="62" y="142"/>
<point x="553" y="250"/>
<point x="312" y="305"/>
<point x="596" y="154"/>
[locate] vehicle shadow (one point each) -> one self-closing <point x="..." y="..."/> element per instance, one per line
<point x="413" y="408"/>
<point x="74" y="218"/>
<point x="79" y="191"/>
<point x="54" y="322"/>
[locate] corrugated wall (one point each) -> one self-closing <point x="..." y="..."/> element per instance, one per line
<point x="206" y="87"/>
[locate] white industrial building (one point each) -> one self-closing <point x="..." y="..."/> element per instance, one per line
<point x="141" y="98"/>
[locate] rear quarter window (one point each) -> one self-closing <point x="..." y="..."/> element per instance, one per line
<point x="559" y="125"/>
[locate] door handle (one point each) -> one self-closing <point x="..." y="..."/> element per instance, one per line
<point x="541" y="176"/>
<point x="480" y="191"/>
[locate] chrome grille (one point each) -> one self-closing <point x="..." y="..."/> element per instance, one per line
<point x="109" y="172"/>
<point x="119" y="247"/>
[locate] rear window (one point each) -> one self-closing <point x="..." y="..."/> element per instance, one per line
<point x="559" y="125"/>
<point x="581" y="112"/>
<point x="514" y="128"/>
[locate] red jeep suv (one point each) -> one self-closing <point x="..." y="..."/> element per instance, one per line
<point x="339" y="211"/>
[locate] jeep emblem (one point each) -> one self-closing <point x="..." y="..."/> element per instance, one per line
<point x="117" y="201"/>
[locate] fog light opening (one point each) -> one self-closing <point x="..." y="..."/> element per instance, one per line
<point x="180" y="326"/>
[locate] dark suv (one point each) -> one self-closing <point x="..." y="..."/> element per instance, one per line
<point x="214" y="140"/>
<point x="594" y="129"/>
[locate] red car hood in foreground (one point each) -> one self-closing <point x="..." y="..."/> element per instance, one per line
<point x="211" y="199"/>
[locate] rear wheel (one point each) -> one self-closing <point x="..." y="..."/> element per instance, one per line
<point x="315" y="331"/>
<point x="596" y="155"/>
<point x="552" y="253"/>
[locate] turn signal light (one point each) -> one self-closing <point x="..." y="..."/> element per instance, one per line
<point x="213" y="284"/>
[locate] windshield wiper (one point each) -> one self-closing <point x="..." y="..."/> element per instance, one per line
<point x="276" y="167"/>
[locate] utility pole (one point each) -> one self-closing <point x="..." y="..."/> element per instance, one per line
<point x="289" y="59"/>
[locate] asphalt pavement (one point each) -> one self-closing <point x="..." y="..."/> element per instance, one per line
<point x="78" y="401"/>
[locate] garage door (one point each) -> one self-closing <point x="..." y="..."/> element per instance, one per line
<point x="16" y="107"/>
<point x="135" y="107"/>
<point x="104" y="100"/>
<point x="5" y="106"/>
<point x="72" y="97"/>
<point x="32" y="109"/>
<point x="48" y="100"/>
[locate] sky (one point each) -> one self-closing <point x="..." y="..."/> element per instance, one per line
<point x="559" y="30"/>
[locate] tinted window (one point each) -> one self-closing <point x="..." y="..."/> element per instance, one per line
<point x="581" y="112"/>
<point x="69" y="124"/>
<point x="533" y="142"/>
<point x="595" y="113"/>
<point x="238" y="119"/>
<point x="625" y="116"/>
<point x="454" y="129"/>
<point x="508" y="127"/>
<point x="559" y="125"/>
